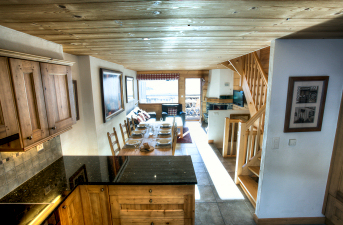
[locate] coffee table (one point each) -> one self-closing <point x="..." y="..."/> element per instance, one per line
<point x="179" y="124"/>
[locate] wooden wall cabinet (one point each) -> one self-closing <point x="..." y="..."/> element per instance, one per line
<point x="28" y="90"/>
<point x="9" y="126"/>
<point x="70" y="211"/>
<point x="59" y="96"/>
<point x="36" y="103"/>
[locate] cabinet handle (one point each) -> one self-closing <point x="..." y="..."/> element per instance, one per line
<point x="64" y="207"/>
<point x="29" y="138"/>
<point x="102" y="189"/>
<point x="150" y="200"/>
<point x="53" y="128"/>
<point x="150" y="190"/>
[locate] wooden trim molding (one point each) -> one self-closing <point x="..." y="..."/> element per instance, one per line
<point x="20" y="55"/>
<point x="210" y="141"/>
<point x="291" y="220"/>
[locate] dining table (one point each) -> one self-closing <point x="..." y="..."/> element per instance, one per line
<point x="156" y="134"/>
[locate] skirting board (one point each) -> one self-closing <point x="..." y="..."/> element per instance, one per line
<point x="210" y="141"/>
<point x="292" y="220"/>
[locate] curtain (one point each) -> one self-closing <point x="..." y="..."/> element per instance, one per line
<point x="159" y="76"/>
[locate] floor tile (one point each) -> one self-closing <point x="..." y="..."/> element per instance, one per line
<point x="199" y="167"/>
<point x="196" y="158"/>
<point x="206" y="194"/>
<point x="236" y="213"/>
<point x="230" y="167"/>
<point x="203" y="178"/>
<point x="190" y="151"/>
<point x="208" y="213"/>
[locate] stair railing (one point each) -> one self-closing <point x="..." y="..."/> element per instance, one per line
<point x="256" y="79"/>
<point x="249" y="140"/>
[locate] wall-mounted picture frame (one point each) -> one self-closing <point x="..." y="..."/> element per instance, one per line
<point x="111" y="93"/>
<point x="130" y="89"/>
<point x="305" y="103"/>
<point x="76" y="100"/>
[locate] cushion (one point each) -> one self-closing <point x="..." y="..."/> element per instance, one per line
<point x="142" y="116"/>
<point x="172" y="111"/>
<point x="146" y="115"/>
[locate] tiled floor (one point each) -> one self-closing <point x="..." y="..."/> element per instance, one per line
<point x="209" y="208"/>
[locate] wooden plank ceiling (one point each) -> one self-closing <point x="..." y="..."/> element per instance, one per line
<point x="170" y="35"/>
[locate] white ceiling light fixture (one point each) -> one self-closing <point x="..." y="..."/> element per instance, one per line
<point x="157" y="12"/>
<point x="146" y="39"/>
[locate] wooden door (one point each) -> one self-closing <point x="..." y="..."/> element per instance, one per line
<point x="334" y="206"/>
<point x="59" y="96"/>
<point x="28" y="89"/>
<point x="8" y="114"/>
<point x="70" y="211"/>
<point x="95" y="203"/>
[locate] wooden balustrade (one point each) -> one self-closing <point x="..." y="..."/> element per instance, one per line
<point x="253" y="133"/>
<point x="256" y="79"/>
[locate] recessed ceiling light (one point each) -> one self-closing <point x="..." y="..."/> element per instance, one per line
<point x="146" y="39"/>
<point x="157" y="2"/>
<point x="157" y="12"/>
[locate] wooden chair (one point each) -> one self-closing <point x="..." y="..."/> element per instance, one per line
<point x="174" y="135"/>
<point x="113" y="143"/>
<point x="123" y="129"/>
<point x="130" y="125"/>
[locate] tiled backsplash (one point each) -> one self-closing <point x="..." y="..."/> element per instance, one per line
<point x="16" y="168"/>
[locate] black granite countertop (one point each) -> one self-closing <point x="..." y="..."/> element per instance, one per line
<point x="67" y="172"/>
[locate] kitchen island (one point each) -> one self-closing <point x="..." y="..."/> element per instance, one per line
<point x="106" y="190"/>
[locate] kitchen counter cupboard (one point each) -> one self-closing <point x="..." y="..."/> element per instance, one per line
<point x="107" y="190"/>
<point x="36" y="102"/>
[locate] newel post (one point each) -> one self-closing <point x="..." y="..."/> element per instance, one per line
<point x="241" y="148"/>
<point x="226" y="137"/>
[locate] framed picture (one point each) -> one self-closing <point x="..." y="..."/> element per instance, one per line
<point x="111" y="93"/>
<point x="79" y="177"/>
<point x="129" y="89"/>
<point x="305" y="103"/>
<point x="76" y="100"/>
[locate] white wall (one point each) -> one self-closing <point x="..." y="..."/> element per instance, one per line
<point x="217" y="79"/>
<point x="82" y="138"/>
<point x="293" y="179"/>
<point x="20" y="42"/>
<point x="101" y="127"/>
<point x="216" y="124"/>
<point x="88" y="136"/>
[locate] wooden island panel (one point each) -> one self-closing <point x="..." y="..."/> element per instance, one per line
<point x="152" y="204"/>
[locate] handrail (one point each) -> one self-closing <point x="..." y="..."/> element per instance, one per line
<point x="256" y="116"/>
<point x="259" y="66"/>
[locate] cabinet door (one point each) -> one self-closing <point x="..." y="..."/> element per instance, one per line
<point x="59" y="96"/>
<point x="95" y="203"/>
<point x="70" y="211"/>
<point x="8" y="113"/>
<point x="28" y="89"/>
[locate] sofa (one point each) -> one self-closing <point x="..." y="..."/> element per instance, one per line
<point x="173" y="109"/>
<point x="136" y="110"/>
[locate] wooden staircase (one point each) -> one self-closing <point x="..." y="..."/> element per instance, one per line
<point x="248" y="136"/>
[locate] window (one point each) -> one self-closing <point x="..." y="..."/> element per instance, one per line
<point x="158" y="91"/>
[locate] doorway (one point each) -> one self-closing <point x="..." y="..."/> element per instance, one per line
<point x="192" y="98"/>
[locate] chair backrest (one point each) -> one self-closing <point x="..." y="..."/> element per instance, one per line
<point x="123" y="129"/>
<point x="128" y="123"/>
<point x="113" y="143"/>
<point x="133" y="123"/>
<point x="174" y="135"/>
<point x="173" y="105"/>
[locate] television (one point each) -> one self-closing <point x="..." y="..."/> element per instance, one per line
<point x="238" y="98"/>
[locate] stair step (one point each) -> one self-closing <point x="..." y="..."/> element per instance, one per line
<point x="255" y="170"/>
<point x="259" y="158"/>
<point x="250" y="188"/>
